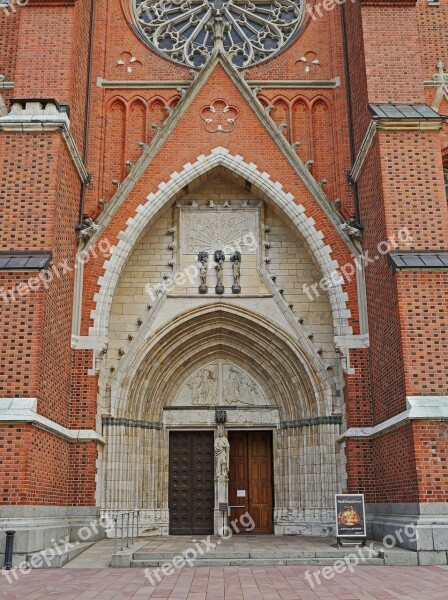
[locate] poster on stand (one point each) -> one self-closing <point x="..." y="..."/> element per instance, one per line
<point x="350" y="515"/>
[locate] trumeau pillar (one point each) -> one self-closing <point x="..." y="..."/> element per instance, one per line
<point x="222" y="457"/>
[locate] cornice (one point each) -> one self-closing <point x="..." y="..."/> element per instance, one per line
<point x="418" y="408"/>
<point x="43" y="116"/>
<point x="24" y="410"/>
<point x="410" y="124"/>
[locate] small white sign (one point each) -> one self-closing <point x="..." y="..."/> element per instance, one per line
<point x="241" y="493"/>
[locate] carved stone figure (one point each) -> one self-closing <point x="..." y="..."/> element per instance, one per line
<point x="219" y="259"/>
<point x="203" y="259"/>
<point x="236" y="260"/>
<point x="222" y="456"/>
<point x="204" y="388"/>
<point x="239" y="389"/>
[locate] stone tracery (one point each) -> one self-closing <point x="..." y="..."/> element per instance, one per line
<point x="254" y="30"/>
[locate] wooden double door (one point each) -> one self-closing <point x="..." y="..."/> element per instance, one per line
<point x="192" y="480"/>
<point x="250" y="478"/>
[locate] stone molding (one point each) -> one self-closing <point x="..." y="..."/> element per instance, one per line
<point x="44" y="116"/>
<point x="426" y="408"/>
<point x="24" y="410"/>
<point x="122" y="421"/>
<point x="296" y="84"/>
<point x="328" y="420"/>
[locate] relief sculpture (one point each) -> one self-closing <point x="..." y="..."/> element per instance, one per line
<point x="220" y="383"/>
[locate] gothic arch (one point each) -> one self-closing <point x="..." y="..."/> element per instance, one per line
<point x="266" y="188"/>
<point x="291" y="376"/>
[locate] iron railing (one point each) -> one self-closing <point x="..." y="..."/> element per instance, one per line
<point x="126" y="527"/>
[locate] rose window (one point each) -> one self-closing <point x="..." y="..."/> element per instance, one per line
<point x="253" y="31"/>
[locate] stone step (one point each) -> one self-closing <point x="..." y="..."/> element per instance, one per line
<point x="57" y="556"/>
<point x="256" y="554"/>
<point x="248" y="562"/>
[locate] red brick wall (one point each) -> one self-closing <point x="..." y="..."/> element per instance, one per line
<point x="392" y="54"/>
<point x="394" y="466"/>
<point x="9" y="28"/>
<point x="391" y="50"/>
<point x="81" y="475"/>
<point x="360" y="472"/>
<point x="15" y="441"/>
<point x="84" y="391"/>
<point x="424" y="299"/>
<point x="431" y="452"/>
<point x="21" y="318"/>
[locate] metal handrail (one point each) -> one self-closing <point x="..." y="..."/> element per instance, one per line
<point x="128" y="519"/>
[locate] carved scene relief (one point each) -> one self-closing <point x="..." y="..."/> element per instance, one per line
<point x="220" y="384"/>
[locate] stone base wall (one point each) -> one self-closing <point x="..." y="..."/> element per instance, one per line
<point x="41" y="527"/>
<point x="420" y="527"/>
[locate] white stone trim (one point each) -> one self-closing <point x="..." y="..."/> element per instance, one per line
<point x="352" y="341"/>
<point x="85" y="342"/>
<point x="47" y="123"/>
<point x="24" y="410"/>
<point x="426" y="408"/>
<point x="142" y="84"/>
<point x="155" y="201"/>
<point x="363" y="153"/>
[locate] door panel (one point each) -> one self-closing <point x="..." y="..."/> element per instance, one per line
<point x="191" y="487"/>
<point x="251" y="472"/>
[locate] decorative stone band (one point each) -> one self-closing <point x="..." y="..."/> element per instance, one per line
<point x="185" y="83"/>
<point x="329" y="420"/>
<point x="394" y="117"/>
<point x="123" y="422"/>
<point x="44" y="115"/>
<point x="24" y="410"/>
<point x="424" y="408"/>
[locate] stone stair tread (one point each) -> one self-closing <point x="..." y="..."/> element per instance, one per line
<point x="59" y="555"/>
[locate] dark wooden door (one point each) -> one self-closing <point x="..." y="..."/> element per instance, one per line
<point x="191" y="488"/>
<point x="251" y="473"/>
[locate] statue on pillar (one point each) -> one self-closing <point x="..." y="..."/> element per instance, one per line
<point x="222" y="455"/>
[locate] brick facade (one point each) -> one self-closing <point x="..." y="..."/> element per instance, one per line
<point x="367" y="52"/>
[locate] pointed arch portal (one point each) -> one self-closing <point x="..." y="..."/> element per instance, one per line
<point x="179" y="372"/>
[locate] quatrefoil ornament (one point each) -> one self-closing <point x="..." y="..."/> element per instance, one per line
<point x="219" y="116"/>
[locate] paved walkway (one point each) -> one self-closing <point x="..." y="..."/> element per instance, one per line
<point x="232" y="583"/>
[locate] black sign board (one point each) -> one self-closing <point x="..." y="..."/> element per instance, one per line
<point x="350" y="516"/>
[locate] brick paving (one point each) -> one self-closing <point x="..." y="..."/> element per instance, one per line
<point x="231" y="583"/>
